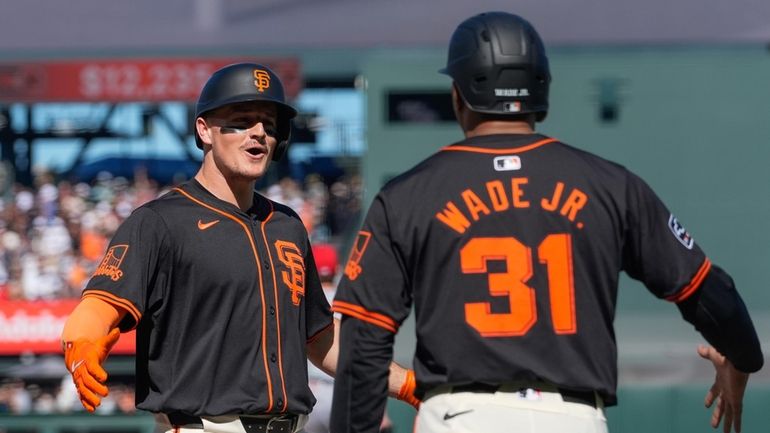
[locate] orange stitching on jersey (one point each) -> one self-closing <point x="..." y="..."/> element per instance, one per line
<point x="499" y="151"/>
<point x="116" y="301"/>
<point x="277" y="310"/>
<point x="261" y="288"/>
<point x="367" y="316"/>
<point x="694" y="283"/>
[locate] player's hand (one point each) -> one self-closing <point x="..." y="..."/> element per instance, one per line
<point x="406" y="393"/>
<point x="84" y="360"/>
<point x="727" y="391"/>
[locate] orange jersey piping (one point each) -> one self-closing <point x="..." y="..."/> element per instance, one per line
<point x="277" y="310"/>
<point x="694" y="284"/>
<point x="261" y="289"/>
<point x="115" y="301"/>
<point x="498" y="151"/>
<point x="361" y="313"/>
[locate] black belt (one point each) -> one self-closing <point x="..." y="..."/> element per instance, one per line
<point x="252" y="424"/>
<point x="582" y="397"/>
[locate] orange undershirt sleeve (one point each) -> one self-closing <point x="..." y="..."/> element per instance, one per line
<point x="92" y="318"/>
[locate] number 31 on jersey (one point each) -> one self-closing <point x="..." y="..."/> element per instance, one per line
<point x="555" y="251"/>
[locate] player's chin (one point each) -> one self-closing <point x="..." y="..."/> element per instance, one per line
<point x="254" y="171"/>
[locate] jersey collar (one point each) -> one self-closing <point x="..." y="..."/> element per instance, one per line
<point x="260" y="208"/>
<point x="500" y="143"/>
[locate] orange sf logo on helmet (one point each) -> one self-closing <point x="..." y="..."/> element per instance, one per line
<point x="261" y="79"/>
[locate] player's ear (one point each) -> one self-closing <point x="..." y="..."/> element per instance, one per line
<point x="203" y="130"/>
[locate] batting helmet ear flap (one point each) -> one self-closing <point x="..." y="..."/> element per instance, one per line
<point x="283" y="136"/>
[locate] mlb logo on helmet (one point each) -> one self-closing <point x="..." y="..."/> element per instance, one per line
<point x="261" y="79"/>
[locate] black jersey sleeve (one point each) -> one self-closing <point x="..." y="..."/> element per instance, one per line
<point x="657" y="250"/>
<point x="127" y="274"/>
<point x="375" y="286"/>
<point x="317" y="310"/>
<point x="719" y="314"/>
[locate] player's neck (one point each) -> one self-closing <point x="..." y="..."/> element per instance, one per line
<point x="236" y="192"/>
<point x="492" y="127"/>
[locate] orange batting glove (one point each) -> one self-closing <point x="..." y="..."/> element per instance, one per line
<point x="84" y="360"/>
<point x="406" y="393"/>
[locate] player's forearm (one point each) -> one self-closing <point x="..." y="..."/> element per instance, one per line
<point x="361" y="385"/>
<point x="92" y="318"/>
<point x="324" y="350"/>
<point x="719" y="314"/>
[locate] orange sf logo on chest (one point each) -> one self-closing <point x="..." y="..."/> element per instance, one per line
<point x="261" y="79"/>
<point x="294" y="278"/>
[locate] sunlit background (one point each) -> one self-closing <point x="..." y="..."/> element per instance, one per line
<point x="96" y="105"/>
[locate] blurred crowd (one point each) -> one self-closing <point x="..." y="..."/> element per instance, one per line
<point x="18" y="397"/>
<point x="54" y="234"/>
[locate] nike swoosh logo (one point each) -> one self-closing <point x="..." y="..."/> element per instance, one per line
<point x="75" y="365"/>
<point x="452" y="415"/>
<point x="204" y="226"/>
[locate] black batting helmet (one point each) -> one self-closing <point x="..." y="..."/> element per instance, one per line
<point x="244" y="82"/>
<point x="499" y="64"/>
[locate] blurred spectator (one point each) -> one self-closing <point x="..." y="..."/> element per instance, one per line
<point x="67" y="398"/>
<point x="345" y="204"/>
<point x="44" y="404"/>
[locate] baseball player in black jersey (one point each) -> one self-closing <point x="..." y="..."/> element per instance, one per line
<point x="509" y="244"/>
<point x="219" y="282"/>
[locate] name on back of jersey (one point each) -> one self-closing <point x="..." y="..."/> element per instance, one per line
<point x="500" y="196"/>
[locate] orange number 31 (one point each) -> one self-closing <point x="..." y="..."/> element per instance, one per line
<point x="555" y="251"/>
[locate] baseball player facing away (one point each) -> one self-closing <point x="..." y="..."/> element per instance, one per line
<point x="219" y="282"/>
<point x="510" y="244"/>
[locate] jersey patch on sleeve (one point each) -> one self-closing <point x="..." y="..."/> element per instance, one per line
<point x="680" y="233"/>
<point x="110" y="265"/>
<point x="353" y="268"/>
<point x="507" y="163"/>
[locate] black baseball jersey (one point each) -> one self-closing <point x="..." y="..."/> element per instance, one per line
<point x="224" y="302"/>
<point x="510" y="248"/>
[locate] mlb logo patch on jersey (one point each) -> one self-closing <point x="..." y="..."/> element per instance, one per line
<point x="507" y="163"/>
<point x="680" y="233"/>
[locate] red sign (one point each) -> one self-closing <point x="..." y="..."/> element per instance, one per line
<point x="125" y="80"/>
<point x="35" y="326"/>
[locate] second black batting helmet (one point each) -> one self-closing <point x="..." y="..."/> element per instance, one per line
<point x="245" y="82"/>
<point x="499" y="64"/>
